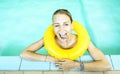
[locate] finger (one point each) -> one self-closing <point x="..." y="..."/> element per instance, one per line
<point x="58" y="62"/>
<point x="58" y="65"/>
<point x="60" y="68"/>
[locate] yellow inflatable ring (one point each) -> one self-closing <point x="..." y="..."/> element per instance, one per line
<point x="72" y="53"/>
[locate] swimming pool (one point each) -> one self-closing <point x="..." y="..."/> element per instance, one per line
<point x="23" y="22"/>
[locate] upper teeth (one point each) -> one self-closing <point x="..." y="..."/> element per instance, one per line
<point x="63" y="36"/>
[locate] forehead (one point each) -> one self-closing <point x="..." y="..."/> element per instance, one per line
<point x="61" y="18"/>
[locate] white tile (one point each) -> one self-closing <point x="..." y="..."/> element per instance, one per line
<point x="86" y="58"/>
<point x="112" y="72"/>
<point x="9" y="62"/>
<point x="34" y="65"/>
<point x="32" y="72"/>
<point x="109" y="60"/>
<point x="13" y="72"/>
<point x="116" y="62"/>
<point x="93" y="73"/>
<point x="52" y="72"/>
<point x="73" y="72"/>
<point x="1" y="72"/>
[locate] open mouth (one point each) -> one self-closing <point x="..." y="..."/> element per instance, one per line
<point x="63" y="36"/>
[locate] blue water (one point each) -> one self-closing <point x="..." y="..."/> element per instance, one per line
<point x="22" y="22"/>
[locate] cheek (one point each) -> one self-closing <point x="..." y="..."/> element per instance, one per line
<point x="56" y="30"/>
<point x="68" y="29"/>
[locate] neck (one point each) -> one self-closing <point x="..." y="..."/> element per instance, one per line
<point x="66" y="40"/>
<point x="67" y="43"/>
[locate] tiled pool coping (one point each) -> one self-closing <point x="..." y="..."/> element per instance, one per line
<point x="14" y="64"/>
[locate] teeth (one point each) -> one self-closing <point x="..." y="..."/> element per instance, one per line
<point x="63" y="36"/>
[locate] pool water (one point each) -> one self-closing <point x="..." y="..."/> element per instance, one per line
<point x="23" y="22"/>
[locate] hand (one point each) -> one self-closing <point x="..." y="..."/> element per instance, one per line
<point x="67" y="64"/>
<point x="51" y="59"/>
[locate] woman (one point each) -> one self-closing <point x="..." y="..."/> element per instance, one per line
<point x="62" y="23"/>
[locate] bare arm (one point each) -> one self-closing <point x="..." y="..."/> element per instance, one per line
<point x="29" y="52"/>
<point x="100" y="62"/>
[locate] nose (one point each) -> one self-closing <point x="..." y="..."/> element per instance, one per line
<point x="61" y="27"/>
<point x="62" y="32"/>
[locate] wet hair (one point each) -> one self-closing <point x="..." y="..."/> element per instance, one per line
<point x="63" y="11"/>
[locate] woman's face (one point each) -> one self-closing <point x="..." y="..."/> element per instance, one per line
<point x="62" y="26"/>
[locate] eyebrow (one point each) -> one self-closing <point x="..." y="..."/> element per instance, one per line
<point x="66" y="22"/>
<point x="63" y="22"/>
<point x="55" y="23"/>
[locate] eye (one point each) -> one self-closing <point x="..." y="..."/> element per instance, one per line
<point x="66" y="24"/>
<point x="56" y="25"/>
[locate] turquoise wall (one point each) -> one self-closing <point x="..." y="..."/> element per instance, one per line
<point x="22" y="22"/>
